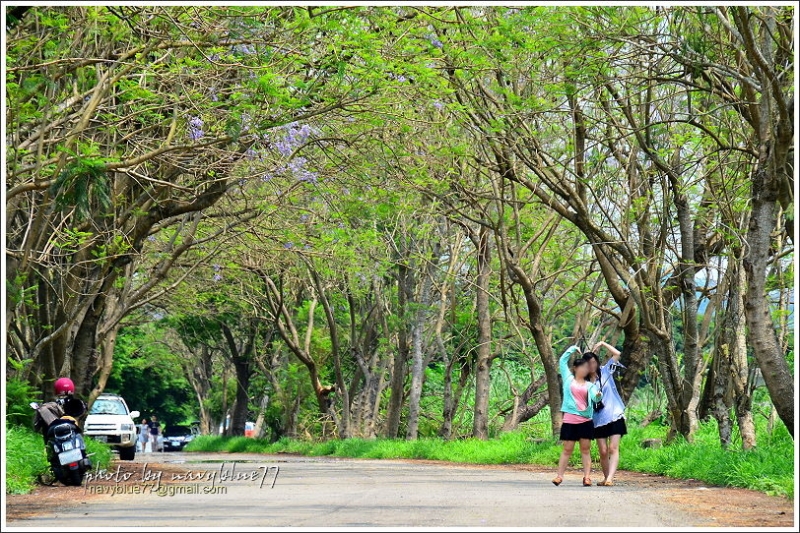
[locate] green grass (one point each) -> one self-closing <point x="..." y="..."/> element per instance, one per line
<point x="769" y="468"/>
<point x="26" y="459"/>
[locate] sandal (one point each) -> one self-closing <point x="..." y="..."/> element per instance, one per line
<point x="557" y="480"/>
<point x="607" y="483"/>
<point x="587" y="482"/>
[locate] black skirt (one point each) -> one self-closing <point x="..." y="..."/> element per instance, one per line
<point x="584" y="430"/>
<point x="617" y="427"/>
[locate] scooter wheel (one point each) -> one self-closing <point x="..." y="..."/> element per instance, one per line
<point x="76" y="477"/>
<point x="61" y="475"/>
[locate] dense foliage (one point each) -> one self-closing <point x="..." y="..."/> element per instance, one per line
<point x="391" y="221"/>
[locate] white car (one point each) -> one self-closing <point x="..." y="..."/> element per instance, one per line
<point x="111" y="421"/>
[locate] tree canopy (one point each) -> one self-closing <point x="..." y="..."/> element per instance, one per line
<point x="391" y="220"/>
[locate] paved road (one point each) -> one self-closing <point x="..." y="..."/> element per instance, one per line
<point x="327" y="492"/>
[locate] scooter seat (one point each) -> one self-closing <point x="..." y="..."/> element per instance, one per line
<point x="62" y="431"/>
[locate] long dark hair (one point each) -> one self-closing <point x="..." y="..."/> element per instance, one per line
<point x="588" y="356"/>
<point x="578" y="361"/>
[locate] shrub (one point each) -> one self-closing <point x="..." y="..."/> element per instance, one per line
<point x="19" y="395"/>
<point x="25" y="459"/>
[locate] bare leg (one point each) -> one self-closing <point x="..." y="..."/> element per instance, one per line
<point x="613" y="456"/>
<point x="566" y="453"/>
<point x="586" y="456"/>
<point x="602" y="446"/>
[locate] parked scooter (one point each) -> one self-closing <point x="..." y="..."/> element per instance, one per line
<point x="66" y="449"/>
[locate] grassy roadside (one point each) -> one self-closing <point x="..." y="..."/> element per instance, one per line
<point x="769" y="468"/>
<point x="25" y="458"/>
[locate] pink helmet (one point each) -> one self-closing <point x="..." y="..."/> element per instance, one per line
<point x="64" y="386"/>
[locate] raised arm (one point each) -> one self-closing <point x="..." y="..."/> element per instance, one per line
<point x="563" y="362"/>
<point x="615" y="354"/>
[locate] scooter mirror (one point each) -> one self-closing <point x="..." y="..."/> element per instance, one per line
<point x="34" y="405"/>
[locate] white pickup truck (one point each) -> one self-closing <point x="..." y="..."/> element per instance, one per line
<point x="111" y="421"/>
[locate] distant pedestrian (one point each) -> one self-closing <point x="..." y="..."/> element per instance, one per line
<point x="144" y="435"/>
<point x="578" y="396"/>
<point x="155" y="431"/>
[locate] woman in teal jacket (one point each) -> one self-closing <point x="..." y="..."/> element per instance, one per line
<point x="579" y="395"/>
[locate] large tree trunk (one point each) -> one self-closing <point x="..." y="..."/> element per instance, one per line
<point x="718" y="385"/>
<point x="418" y="358"/>
<point x="241" y="359"/>
<point x="452" y="398"/>
<point x="772" y="118"/>
<point x="664" y="351"/>
<point x="344" y="426"/>
<point x="543" y="344"/>
<point x="404" y="290"/>
<point x="284" y="322"/>
<point x="766" y="348"/>
<point x="199" y="373"/>
<point x="106" y="361"/>
<point x="692" y="361"/>
<point x="260" y="431"/>
<point x="365" y="348"/>
<point x="84" y="355"/>
<point x="241" y="409"/>
<point x="483" y="363"/>
<point x="417" y="378"/>
<point x="737" y="348"/>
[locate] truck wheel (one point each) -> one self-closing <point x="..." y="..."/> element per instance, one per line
<point x="127" y="454"/>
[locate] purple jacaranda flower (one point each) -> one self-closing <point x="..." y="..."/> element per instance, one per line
<point x="195" y="128"/>
<point x="434" y="41"/>
<point x="291" y="136"/>
<point x="216" y="267"/>
<point x="217" y="277"/>
<point x="151" y="238"/>
<point x="438" y="105"/>
<point x="250" y="154"/>
<point x="297" y="169"/>
<point x="288" y="245"/>
<point x="284" y="147"/>
<point x="303" y="218"/>
<point x="308" y="176"/>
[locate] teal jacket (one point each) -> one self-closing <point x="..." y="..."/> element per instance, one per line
<point x="568" y="402"/>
